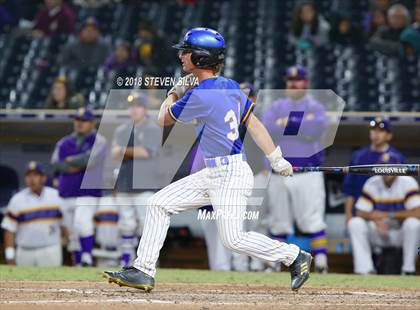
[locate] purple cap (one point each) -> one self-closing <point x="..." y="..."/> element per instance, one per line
<point x="34" y="166"/>
<point x="381" y="123"/>
<point x="84" y="114"/>
<point x="248" y="88"/>
<point x="90" y="21"/>
<point x="297" y="72"/>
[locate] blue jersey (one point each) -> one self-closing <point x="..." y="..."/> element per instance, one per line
<point x="353" y="183"/>
<point x="219" y="109"/>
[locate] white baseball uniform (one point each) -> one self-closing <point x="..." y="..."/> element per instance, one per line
<point x="69" y="208"/>
<point x="36" y="221"/>
<point x="106" y="222"/>
<point x="288" y="203"/>
<point x="134" y="178"/>
<point x="402" y="195"/>
<point x="221" y="258"/>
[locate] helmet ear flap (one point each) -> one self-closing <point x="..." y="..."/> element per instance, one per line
<point x="200" y="57"/>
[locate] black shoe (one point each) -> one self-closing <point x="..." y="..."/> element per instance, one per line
<point x="299" y="269"/>
<point x="408" y="273"/>
<point x="131" y="277"/>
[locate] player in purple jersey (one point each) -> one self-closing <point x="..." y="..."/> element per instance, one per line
<point x="300" y="199"/>
<point x="387" y="215"/>
<point x="218" y="108"/>
<point x="70" y="160"/>
<point x="380" y="135"/>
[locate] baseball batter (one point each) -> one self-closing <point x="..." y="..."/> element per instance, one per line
<point x="219" y="109"/>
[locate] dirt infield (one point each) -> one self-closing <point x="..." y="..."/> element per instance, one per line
<point x="101" y="295"/>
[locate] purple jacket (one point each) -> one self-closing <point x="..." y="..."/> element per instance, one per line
<point x="69" y="184"/>
<point x="305" y="133"/>
<point x="61" y="21"/>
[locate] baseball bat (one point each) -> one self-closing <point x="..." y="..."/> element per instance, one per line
<point x="385" y="169"/>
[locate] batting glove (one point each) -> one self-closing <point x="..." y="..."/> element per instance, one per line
<point x="279" y="164"/>
<point x="183" y="85"/>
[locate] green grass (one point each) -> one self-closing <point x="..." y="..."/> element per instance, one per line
<point x="205" y="276"/>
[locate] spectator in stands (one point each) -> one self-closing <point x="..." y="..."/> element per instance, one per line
<point x="416" y="24"/>
<point x="62" y="97"/>
<point x="88" y="50"/>
<point x="33" y="223"/>
<point x="410" y="37"/>
<point x="309" y="28"/>
<point x="10" y="12"/>
<point x="377" y="21"/>
<point x="151" y="49"/>
<point x="388" y="214"/>
<point x="387" y="39"/>
<point x="79" y="157"/>
<point x="376" y="17"/>
<point x="344" y="32"/>
<point x="380" y="135"/>
<point x="55" y="19"/>
<point x="410" y="40"/>
<point x="121" y="59"/>
<point x="92" y="4"/>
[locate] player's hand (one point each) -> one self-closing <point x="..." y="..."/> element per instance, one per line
<point x="279" y="164"/>
<point x="376" y="215"/>
<point x="283" y="167"/>
<point x="74" y="170"/>
<point x="183" y="85"/>
<point x="282" y="121"/>
<point x="382" y="227"/>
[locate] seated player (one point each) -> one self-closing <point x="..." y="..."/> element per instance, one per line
<point x="387" y="214"/>
<point x="33" y="223"/>
<point x="380" y="136"/>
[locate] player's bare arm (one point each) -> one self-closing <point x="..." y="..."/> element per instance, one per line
<point x="348" y="207"/>
<point x="9" y="245"/>
<point x="264" y="141"/>
<point x="402" y="215"/>
<point x="260" y="135"/>
<point x="380" y="215"/>
<point x="138" y="152"/>
<point x="164" y="118"/>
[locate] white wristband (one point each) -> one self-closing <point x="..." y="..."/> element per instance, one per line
<point x="9" y="253"/>
<point x="275" y="155"/>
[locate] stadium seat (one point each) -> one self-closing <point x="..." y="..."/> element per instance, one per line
<point x="258" y="51"/>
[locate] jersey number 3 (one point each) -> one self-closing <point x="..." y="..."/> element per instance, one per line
<point x="230" y="118"/>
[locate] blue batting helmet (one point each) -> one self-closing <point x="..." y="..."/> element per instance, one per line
<point x="207" y="47"/>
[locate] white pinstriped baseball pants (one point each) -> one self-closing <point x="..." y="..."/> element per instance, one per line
<point x="227" y="188"/>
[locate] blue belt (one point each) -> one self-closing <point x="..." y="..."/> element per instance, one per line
<point x="221" y="160"/>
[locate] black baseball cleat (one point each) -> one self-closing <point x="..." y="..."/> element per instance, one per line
<point x="131" y="277"/>
<point x="299" y="269"/>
